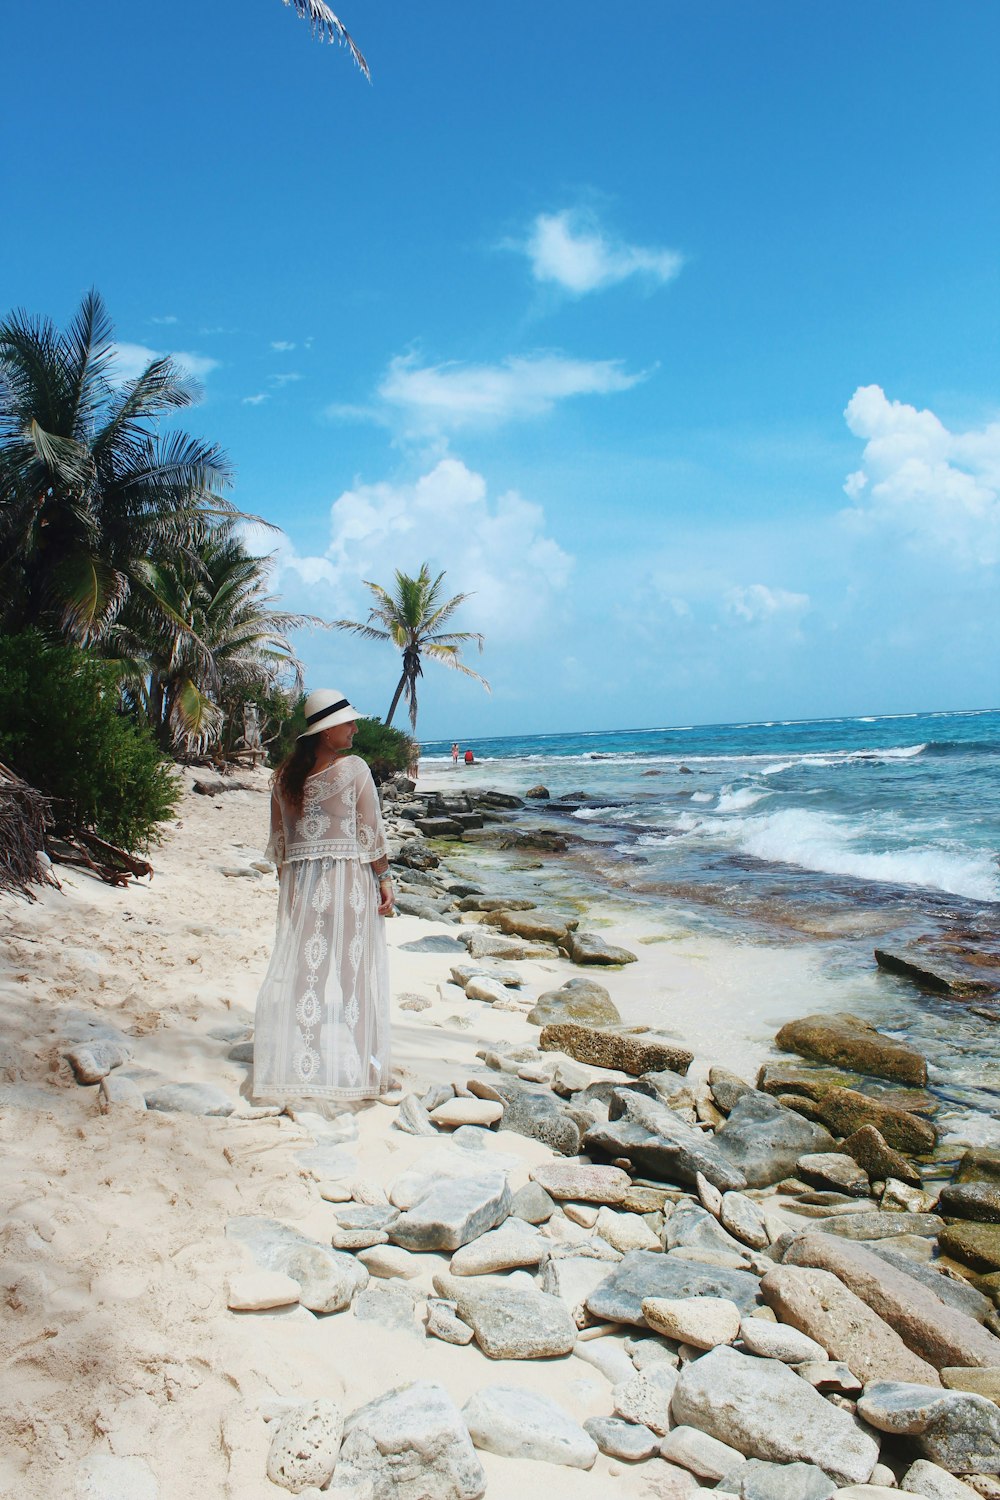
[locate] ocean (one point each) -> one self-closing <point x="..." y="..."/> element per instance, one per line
<point x="839" y="834"/>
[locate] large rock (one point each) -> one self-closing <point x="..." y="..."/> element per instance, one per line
<point x="582" y="1000"/>
<point x="937" y="975"/>
<point x="702" y="1322"/>
<point x="977" y="1244"/>
<point x="305" y="1445"/>
<point x="659" y="1143"/>
<point x="537" y="925"/>
<point x="743" y="1218"/>
<point x="453" y="1212"/>
<point x="764" y="1141"/>
<point x="779" y="1341"/>
<point x="644" y="1273"/>
<point x="411" y="1444"/>
<point x="328" y="1279"/>
<point x="934" y="1483"/>
<point x="531" y="1111"/>
<point x="727" y="1087"/>
<point x="701" y="1454"/>
<point x="572" y="1278"/>
<point x="483" y="944"/>
<point x="645" y="1397"/>
<point x="629" y="1441"/>
<point x="952" y="1289"/>
<point x="588" y="948"/>
<point x="757" y="1480"/>
<point x="836" y="1170"/>
<point x="875" y="1156"/>
<point x="532" y="1204"/>
<point x="581" y="1182"/>
<point x="189" y="1099"/>
<point x="845" y="1111"/>
<point x="92" y="1061"/>
<point x="971" y="1200"/>
<point x="820" y="1305"/>
<point x="520" y="1424"/>
<point x="939" y="1333"/>
<point x="692" y="1227"/>
<point x="513" y="1244"/>
<point x="762" y="1408"/>
<point x="615" y="1049"/>
<point x="510" y="1322"/>
<point x="879" y="1224"/>
<point x="955" y="1429"/>
<point x="979" y="1164"/>
<point x="848" y="1042"/>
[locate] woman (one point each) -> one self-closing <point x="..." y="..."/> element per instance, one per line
<point x="322" y="1028"/>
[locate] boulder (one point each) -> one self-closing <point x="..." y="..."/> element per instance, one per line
<point x="412" y="1118"/>
<point x="703" y="1455"/>
<point x="956" y="1429"/>
<point x="872" y="1152"/>
<point x="92" y="1061"/>
<point x="821" y="1306"/>
<point x="614" y="1049"/>
<point x="879" y="1224"/>
<point x="582" y="1000"/>
<point x="779" y="1341"/>
<point x="507" y="974"/>
<point x="454" y="1211"/>
<point x="971" y="1200"/>
<point x="936" y="975"/>
<point x="659" y="1143"/>
<point x="520" y="1424"/>
<point x="582" y="1182"/>
<point x="643" y="1273"/>
<point x="625" y="1231"/>
<point x="845" y="1111"/>
<point x="439" y="828"/>
<point x="120" y="1093"/>
<point x="743" y="1218"/>
<point x="531" y="1111"/>
<point x="510" y="1322"/>
<point x="692" y="1227"/>
<point x="834" y="1169"/>
<point x="645" y="1397"/>
<point x="328" y="1280"/>
<point x="934" y="1483"/>
<point x="411" y="1444"/>
<point x="758" y="1480"/>
<point x="444" y="1323"/>
<point x="762" y="1408"/>
<point x="490" y="991"/>
<point x="481" y="944"/>
<point x="763" y="1140"/>
<point x="630" y="1442"/>
<point x="389" y="1262"/>
<point x="979" y="1164"/>
<point x="532" y="1204"/>
<point x="304" y="1447"/>
<point x="702" y="1322"/>
<point x="513" y="1244"/>
<point x="727" y="1088"/>
<point x="537" y="925"/>
<point x="978" y="1245"/>
<point x="939" y="1333"/>
<point x="538" y="793"/>
<point x="455" y="1112"/>
<point x="588" y="948"/>
<point x="848" y="1042"/>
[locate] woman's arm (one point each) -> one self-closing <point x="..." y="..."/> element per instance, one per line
<point x="371" y="838"/>
<point x="275" y="850"/>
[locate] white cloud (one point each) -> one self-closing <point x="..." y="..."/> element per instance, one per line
<point x="257" y="400"/>
<point x="937" y="489"/>
<point x="497" y="550"/>
<point x="288" y="378"/>
<point x="571" y="249"/>
<point x="132" y="359"/>
<point x="282" y="345"/>
<point x="169" y="318"/>
<point x="454" y="395"/>
<point x="754" y="603"/>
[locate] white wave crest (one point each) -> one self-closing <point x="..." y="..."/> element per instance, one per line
<point x="740" y="800"/>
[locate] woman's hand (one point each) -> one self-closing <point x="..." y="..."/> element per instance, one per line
<point x="386" y="896"/>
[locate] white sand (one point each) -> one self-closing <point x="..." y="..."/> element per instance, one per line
<point x="116" y="1335"/>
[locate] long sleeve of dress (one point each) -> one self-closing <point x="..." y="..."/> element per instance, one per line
<point x="370" y="829"/>
<point x="275" y="850"/>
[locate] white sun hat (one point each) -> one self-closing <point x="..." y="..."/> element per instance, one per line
<point x="324" y="708"/>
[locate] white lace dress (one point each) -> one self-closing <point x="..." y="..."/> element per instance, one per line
<point x="322" y="1028"/>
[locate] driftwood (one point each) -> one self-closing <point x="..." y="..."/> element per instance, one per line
<point x="88" y="852"/>
<point x="24" y="816"/>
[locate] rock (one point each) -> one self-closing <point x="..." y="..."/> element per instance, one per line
<point x="613" y="1049"/>
<point x="510" y="1322"/>
<point x="874" y="1224"/>
<point x="727" y="1088"/>
<point x="412" y="1118"/>
<point x="569" y="1079"/>
<point x="764" y="1141"/>
<point x="708" y="1195"/>
<point x="958" y="1430"/>
<point x="971" y="1200"/>
<point x="834" y="1169"/>
<point x="520" y="1424"/>
<point x="439" y="828"/>
<point x="189" y="1099"/>
<point x="532" y="1111"/>
<point x="483" y="944"/>
<point x="705" y="1456"/>
<point x="120" y="1093"/>
<point x="979" y="1164"/>
<point x="829" y="1375"/>
<point x="305" y="1445"/>
<point x="939" y="1333"/>
<point x="669" y="1087"/>
<point x="942" y="979"/>
<point x="538" y="793"/>
<point x="412" y="1444"/>
<point x="779" y="1341"/>
<point x="691" y="1227"/>
<point x="532" y="1204"/>
<point x="456" y="1112"/>
<point x="582" y="1000"/>
<point x="513" y="1244"/>
<point x="581" y="1182"/>
<point x="659" y="1142"/>
<point x="903" y="1198"/>
<point x="605" y="1355"/>
<point x="985" y="1382"/>
<point x="328" y="1279"/>
<point x="645" y="1397"/>
<point x="414" y="1002"/>
<point x="588" y="948"/>
<point x="934" y="1483"/>
<point x="389" y="1262"/>
<point x="444" y="1323"/>
<point x="256" y="1291"/>
<point x="390" y="1304"/>
<point x="848" y="1042"/>
<point x="454" y="1211"/>
<point x="572" y="1278"/>
<point x="758" y="1480"/>
<point x="630" y="1442"/>
<point x="845" y="1111"/>
<point x="626" y="1231"/>
<point x="952" y="1289"/>
<point x="92" y="1061"/>
<point x="744" y="1220"/>
<point x="821" y="1306"/>
<point x="872" y="1152"/>
<point x="507" y="974"/>
<point x="702" y="1322"/>
<point x="762" y="1408"/>
<point x="537" y="926"/>
<point x="978" y="1245"/>
<point x="642" y="1274"/>
<point x="103" y="1476"/>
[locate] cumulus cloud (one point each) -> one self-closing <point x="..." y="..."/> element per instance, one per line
<point x="257" y="400"/>
<point x="937" y="489"/>
<point x="132" y="359"/>
<point x="496" y="549"/>
<point x="755" y="603"/>
<point x="283" y="346"/>
<point x="453" y="395"/>
<point x="571" y="250"/>
<point x="169" y="318"/>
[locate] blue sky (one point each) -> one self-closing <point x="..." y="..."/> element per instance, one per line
<point x="670" y="331"/>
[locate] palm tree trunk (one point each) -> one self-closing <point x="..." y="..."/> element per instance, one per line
<point x="395" y="698"/>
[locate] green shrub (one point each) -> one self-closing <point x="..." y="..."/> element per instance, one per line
<point x="61" y="729"/>
<point x="387" y="750"/>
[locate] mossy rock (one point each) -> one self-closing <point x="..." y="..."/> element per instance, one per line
<point x="979" y="1164"/>
<point x="843" y="1111"/>
<point x="978" y="1245"/>
<point x="582" y="1000"/>
<point x="849" y="1042"/>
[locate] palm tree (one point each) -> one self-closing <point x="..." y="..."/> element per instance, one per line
<point x="329" y="28"/>
<point x="411" y="618"/>
<point x="90" y="490"/>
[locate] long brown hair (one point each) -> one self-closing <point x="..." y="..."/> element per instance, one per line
<point x="290" y="777"/>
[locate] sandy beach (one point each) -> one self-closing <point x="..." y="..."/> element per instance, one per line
<point x="120" y="1344"/>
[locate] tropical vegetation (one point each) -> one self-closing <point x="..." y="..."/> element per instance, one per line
<point x="411" y="617"/>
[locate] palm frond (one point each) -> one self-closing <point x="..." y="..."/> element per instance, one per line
<point x="329" y="28"/>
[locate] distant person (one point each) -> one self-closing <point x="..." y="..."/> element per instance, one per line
<point x="470" y="759"/>
<point x="454" y="754"/>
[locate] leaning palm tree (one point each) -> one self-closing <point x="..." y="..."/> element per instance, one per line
<point x="411" y="618"/>
<point x="90" y="489"/>
<point x="329" y="28"/>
